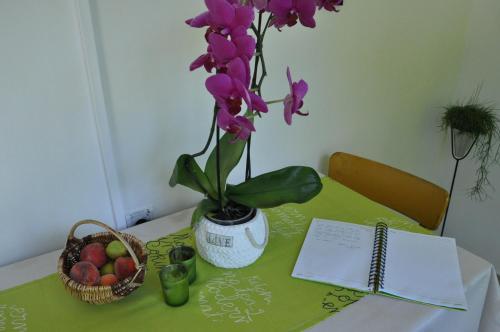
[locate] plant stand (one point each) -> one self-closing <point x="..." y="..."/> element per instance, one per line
<point x="461" y="146"/>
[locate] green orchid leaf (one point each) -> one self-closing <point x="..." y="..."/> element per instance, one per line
<point x="189" y="174"/>
<point x="204" y="207"/>
<point x="230" y="155"/>
<point x="295" y="184"/>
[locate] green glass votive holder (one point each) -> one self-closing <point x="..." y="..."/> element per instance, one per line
<point x="186" y="256"/>
<point x="175" y="284"/>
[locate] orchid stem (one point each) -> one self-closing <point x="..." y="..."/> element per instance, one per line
<point x="264" y="72"/>
<point x="210" y="136"/>
<point x="217" y="152"/>
<point x="267" y="25"/>
<point x="258" y="51"/>
<point x="259" y="32"/>
<point x="254" y="29"/>
<point x="275" y="101"/>
<point x="248" y="174"/>
<point x="260" y="55"/>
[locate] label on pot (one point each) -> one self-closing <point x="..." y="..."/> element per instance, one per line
<point x="220" y="240"/>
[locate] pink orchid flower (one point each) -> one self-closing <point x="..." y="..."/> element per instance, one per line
<point x="287" y="12"/>
<point x="294" y="101"/>
<point x="259" y="4"/>
<point x="206" y="60"/>
<point x="225" y="50"/>
<point x="229" y="93"/>
<point x="239" y="125"/>
<point x="225" y="17"/>
<point x="221" y="51"/>
<point x="330" y="5"/>
<point x="230" y="90"/>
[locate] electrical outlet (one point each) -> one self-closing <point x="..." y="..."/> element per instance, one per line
<point x="143" y="214"/>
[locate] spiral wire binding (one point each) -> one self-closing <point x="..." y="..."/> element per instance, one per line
<point x="377" y="266"/>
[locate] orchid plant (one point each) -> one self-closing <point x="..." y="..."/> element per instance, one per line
<point x="237" y="91"/>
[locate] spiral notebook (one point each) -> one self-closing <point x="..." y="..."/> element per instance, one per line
<point x="384" y="261"/>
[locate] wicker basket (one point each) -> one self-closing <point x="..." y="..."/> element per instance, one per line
<point x="101" y="294"/>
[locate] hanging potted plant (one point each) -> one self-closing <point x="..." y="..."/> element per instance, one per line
<point x="231" y="230"/>
<point x="474" y="127"/>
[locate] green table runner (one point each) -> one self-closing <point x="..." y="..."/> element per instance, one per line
<point x="262" y="297"/>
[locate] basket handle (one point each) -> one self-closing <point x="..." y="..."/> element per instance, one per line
<point x="71" y="236"/>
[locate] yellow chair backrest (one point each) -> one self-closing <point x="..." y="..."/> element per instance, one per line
<point x="412" y="196"/>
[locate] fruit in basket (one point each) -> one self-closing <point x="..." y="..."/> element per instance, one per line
<point x="108" y="280"/>
<point x="108" y="268"/>
<point x="116" y="249"/>
<point x="94" y="253"/>
<point x="85" y="273"/>
<point x="124" y="267"/>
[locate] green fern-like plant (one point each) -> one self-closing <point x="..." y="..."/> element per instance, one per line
<point x="479" y="120"/>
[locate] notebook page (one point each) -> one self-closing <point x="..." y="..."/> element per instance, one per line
<point x="423" y="268"/>
<point x="336" y="253"/>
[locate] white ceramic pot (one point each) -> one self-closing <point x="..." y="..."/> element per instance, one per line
<point x="232" y="246"/>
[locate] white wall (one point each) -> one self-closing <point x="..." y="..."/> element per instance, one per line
<point x="50" y="170"/>
<point x="475" y="224"/>
<point x="378" y="74"/>
<point x="157" y="109"/>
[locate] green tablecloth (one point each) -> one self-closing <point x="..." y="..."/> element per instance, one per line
<point x="261" y="297"/>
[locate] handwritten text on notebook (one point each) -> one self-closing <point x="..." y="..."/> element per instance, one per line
<point x="341" y="236"/>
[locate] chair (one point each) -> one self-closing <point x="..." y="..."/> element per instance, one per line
<point x="412" y="196"/>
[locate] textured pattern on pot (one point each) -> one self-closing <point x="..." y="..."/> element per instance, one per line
<point x="232" y="246"/>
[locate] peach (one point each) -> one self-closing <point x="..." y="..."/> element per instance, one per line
<point x="108" y="280"/>
<point x="94" y="253"/>
<point x="124" y="267"/>
<point x="85" y="273"/>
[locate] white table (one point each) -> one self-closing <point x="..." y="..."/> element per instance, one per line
<point x="372" y="313"/>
